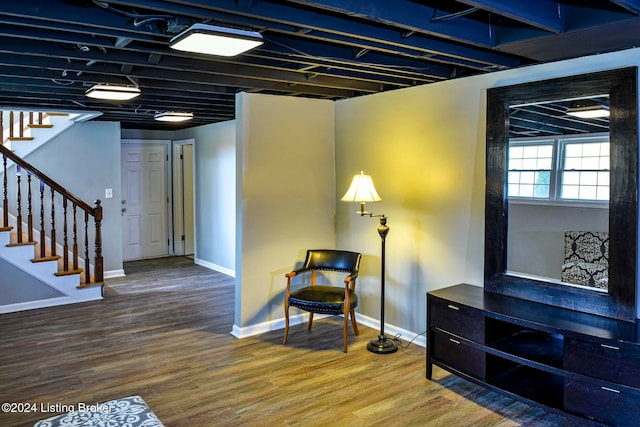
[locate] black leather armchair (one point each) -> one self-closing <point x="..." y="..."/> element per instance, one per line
<point x="325" y="299"/>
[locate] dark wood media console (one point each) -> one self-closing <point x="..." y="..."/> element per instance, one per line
<point x="579" y="363"/>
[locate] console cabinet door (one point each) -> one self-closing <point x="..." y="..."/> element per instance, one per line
<point x="604" y="404"/>
<point x="456" y="319"/>
<point x="456" y="353"/>
<point x="610" y="361"/>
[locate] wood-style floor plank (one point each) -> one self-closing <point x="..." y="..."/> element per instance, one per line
<point x="163" y="332"/>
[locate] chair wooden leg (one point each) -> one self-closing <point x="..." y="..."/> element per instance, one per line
<point x="354" y="324"/>
<point x="345" y="331"/>
<point x="286" y="321"/>
<point x="310" y="321"/>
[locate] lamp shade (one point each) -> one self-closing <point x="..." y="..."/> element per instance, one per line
<point x="361" y="190"/>
<point x="214" y="40"/>
<point x="112" y="93"/>
<point x="173" y="116"/>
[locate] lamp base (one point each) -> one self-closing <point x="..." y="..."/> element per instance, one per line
<point x="382" y="345"/>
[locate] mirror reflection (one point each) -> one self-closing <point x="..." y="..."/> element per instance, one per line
<point x="557" y="191"/>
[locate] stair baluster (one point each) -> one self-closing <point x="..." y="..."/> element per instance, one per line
<point x="99" y="267"/>
<point x="65" y="245"/>
<point x="5" y="199"/>
<point x="19" y="204"/>
<point x="53" y="223"/>
<point x="11" y="125"/>
<point x="87" y="273"/>
<point x="75" y="238"/>
<point x="43" y="234"/>
<point x="29" y="210"/>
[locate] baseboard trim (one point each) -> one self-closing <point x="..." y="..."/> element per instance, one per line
<point x="31" y="305"/>
<point x="215" y="267"/>
<point x="271" y="325"/>
<point x="274" y="325"/>
<point x="393" y="331"/>
<point x="113" y="273"/>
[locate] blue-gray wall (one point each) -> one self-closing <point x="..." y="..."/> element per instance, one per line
<point x="16" y="286"/>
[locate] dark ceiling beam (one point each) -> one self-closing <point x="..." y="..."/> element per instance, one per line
<point x="409" y="16"/>
<point x="273" y="16"/>
<point x="630" y="5"/>
<point x="546" y="15"/>
<point x="104" y="71"/>
<point x="180" y="65"/>
<point x="343" y="60"/>
<point x="46" y="57"/>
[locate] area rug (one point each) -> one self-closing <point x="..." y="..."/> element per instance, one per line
<point x="130" y="411"/>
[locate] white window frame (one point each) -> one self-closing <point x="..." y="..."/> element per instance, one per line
<point x="555" y="184"/>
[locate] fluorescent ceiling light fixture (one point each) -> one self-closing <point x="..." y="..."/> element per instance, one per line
<point x="213" y="40"/>
<point x="588" y="109"/>
<point x="112" y="93"/>
<point x="173" y="116"/>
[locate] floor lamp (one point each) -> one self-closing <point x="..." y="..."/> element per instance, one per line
<point x="362" y="191"/>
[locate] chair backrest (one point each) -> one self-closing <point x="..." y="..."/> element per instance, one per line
<point x="334" y="260"/>
<point x="586" y="246"/>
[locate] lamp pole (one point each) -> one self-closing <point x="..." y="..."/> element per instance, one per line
<point x="382" y="345"/>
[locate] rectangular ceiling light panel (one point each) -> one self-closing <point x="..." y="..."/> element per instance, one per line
<point x="213" y="40"/>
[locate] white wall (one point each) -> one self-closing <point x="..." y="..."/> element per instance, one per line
<point x="215" y="198"/>
<point x="425" y="148"/>
<point x="285" y="198"/>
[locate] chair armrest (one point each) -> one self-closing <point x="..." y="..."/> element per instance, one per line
<point x="297" y="271"/>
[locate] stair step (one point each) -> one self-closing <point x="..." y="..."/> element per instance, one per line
<point x="88" y="285"/>
<point x="43" y="126"/>
<point x="57" y="114"/>
<point x="23" y="138"/>
<point x="9" y="228"/>
<point x="46" y="258"/>
<point x="68" y="273"/>
<point x="21" y="244"/>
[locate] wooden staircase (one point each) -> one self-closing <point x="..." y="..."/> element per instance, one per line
<point x="45" y="230"/>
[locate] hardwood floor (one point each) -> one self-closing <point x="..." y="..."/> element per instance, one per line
<point x="163" y="333"/>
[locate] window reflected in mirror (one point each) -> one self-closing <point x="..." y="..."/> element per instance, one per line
<point x="558" y="174"/>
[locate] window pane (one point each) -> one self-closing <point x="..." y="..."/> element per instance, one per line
<point x="588" y="193"/>
<point x="573" y="163"/>
<point x="530" y="169"/>
<point x="571" y="178"/>
<point x="545" y="151"/>
<point x="581" y="176"/>
<point x="603" y="193"/>
<point x="527" y="177"/>
<point x="526" y="190"/>
<point x="573" y="150"/>
<point x="570" y="191"/>
<point x="590" y="163"/>
<point x="589" y="178"/>
<point x="543" y="163"/>
<point x="529" y="164"/>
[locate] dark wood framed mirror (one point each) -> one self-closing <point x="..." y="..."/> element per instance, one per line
<point x="619" y="299"/>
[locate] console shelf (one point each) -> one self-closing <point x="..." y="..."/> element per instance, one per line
<point x="581" y="364"/>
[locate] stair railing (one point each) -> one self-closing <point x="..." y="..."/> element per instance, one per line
<point x="56" y="192"/>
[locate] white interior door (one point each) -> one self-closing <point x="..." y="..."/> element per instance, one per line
<point x="188" y="202"/>
<point x="144" y="204"/>
<point x="183" y="187"/>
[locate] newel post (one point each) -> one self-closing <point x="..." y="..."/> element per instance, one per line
<point x="98" y="270"/>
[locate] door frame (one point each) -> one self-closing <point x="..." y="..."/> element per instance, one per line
<point x="167" y="184"/>
<point x="178" y="200"/>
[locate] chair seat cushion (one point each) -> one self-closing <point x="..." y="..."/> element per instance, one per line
<point x="321" y="299"/>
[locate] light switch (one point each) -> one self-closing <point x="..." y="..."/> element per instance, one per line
<point x="108" y="193"/>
